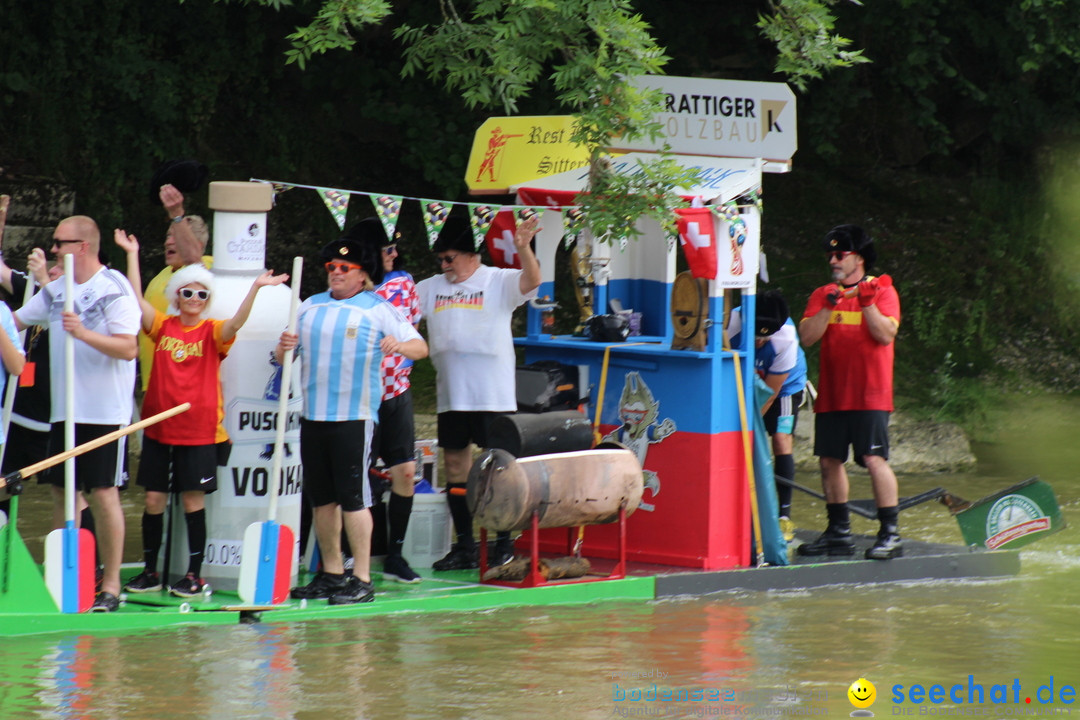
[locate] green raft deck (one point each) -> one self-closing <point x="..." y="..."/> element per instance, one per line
<point x="27" y="609"/>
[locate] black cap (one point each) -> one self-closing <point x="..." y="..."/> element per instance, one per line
<point x="187" y="176"/>
<point x="854" y="238"/>
<point x="456" y="235"/>
<point x="771" y="313"/>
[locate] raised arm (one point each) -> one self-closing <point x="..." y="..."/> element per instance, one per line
<point x="232" y="326"/>
<point x="187" y="245"/>
<point x="530" y="266"/>
<point x="130" y="245"/>
<point x="11" y="354"/>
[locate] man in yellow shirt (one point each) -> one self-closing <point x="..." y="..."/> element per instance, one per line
<point x="185" y="244"/>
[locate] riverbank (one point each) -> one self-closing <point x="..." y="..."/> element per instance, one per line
<point x="918" y="447"/>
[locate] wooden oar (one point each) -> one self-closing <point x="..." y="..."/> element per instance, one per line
<point x="69" y="551"/>
<point x="13" y="480"/>
<point x="266" y="555"/>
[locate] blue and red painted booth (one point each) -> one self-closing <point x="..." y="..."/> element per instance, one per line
<point x="677" y="409"/>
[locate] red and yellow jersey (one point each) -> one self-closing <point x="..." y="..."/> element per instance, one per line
<point x="187" y="363"/>
<point x="855" y="371"/>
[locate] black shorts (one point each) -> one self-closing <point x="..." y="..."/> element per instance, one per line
<point x="181" y="468"/>
<point x="102" y="467"/>
<point x="395" y="437"/>
<point x="24" y="447"/>
<point x="336" y="460"/>
<point x="457" y="429"/>
<point x="866" y="431"/>
<point x="783" y="414"/>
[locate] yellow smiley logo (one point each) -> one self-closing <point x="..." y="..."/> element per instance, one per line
<point x="862" y="693"/>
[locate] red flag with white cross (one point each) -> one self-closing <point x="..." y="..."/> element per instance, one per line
<point x="500" y="240"/>
<point x="698" y="239"/>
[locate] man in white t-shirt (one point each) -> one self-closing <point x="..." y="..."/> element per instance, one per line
<point x="104" y="325"/>
<point x="468" y="310"/>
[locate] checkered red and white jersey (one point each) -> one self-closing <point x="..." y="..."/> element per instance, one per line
<point x="400" y="290"/>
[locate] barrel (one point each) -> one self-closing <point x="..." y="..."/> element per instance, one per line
<point x="586" y="487"/>
<point x="528" y="434"/>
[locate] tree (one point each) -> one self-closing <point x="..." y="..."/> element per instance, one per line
<point x="493" y="54"/>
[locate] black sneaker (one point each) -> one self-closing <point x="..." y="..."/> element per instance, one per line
<point x="354" y="591"/>
<point x="501" y="553"/>
<point x="144" y="582"/>
<point x="323" y="585"/>
<point x="887" y="547"/>
<point x="834" y="541"/>
<point x="187" y="586"/>
<point x="459" y="558"/>
<point x="397" y="568"/>
<point x="105" y="602"/>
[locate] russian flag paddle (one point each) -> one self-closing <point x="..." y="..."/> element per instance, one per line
<point x="267" y="553"/>
<point x="265" y="578"/>
<point x="69" y="568"/>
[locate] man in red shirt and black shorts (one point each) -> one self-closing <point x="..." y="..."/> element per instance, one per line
<point x="856" y="318"/>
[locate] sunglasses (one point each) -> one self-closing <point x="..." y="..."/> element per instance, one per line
<point x="341" y="266"/>
<point x="65" y="242"/>
<point x="389" y="249"/>
<point x="839" y="255"/>
<point x="188" y="293"/>
<point x="448" y="259"/>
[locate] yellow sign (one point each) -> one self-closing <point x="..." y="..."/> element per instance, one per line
<point x="509" y="151"/>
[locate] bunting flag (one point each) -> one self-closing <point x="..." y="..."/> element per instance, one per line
<point x="387" y="207"/>
<point x="698" y="241"/>
<point x="435" y="214"/>
<point x="337" y="203"/>
<point x="672" y="236"/>
<point x="573" y="223"/>
<point x="500" y="241"/>
<point x="480" y="218"/>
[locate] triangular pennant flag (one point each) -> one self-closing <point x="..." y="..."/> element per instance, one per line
<point x="337" y="203"/>
<point x="435" y="214"/>
<point x="480" y="217"/>
<point x="500" y="241"/>
<point x="387" y="207"/>
<point x="672" y="235"/>
<point x="573" y="223"/>
<point x="698" y="241"/>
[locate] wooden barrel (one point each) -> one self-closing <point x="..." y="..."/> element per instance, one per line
<point x="586" y="487"/>
<point x="527" y="434"/>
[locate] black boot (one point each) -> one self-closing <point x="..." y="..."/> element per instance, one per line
<point x="836" y="540"/>
<point x="888" y="544"/>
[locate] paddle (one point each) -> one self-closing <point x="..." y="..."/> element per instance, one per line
<point x="69" y="551"/>
<point x="13" y="480"/>
<point x="267" y="552"/>
<point x="868" y="508"/>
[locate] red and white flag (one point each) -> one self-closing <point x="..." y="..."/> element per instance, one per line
<point x="698" y="240"/>
<point x="500" y="240"/>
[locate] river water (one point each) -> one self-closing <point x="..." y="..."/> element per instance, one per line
<point x="739" y="655"/>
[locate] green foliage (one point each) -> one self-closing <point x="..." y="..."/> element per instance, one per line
<point x="805" y="44"/>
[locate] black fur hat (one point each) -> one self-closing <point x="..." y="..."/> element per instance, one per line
<point x="361" y="244"/>
<point x="187" y="176"/>
<point x="771" y="313"/>
<point x="854" y="238"/>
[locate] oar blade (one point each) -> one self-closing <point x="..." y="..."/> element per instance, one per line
<point x="69" y="568"/>
<point x="266" y="563"/>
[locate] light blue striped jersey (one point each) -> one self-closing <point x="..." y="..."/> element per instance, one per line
<point x="339" y="343"/>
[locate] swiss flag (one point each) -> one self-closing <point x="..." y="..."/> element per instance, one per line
<point x="698" y="241"/>
<point x="500" y="241"/>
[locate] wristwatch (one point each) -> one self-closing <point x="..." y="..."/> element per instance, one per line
<point x="177" y="219"/>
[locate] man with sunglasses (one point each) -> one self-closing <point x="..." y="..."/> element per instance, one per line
<point x="856" y="318"/>
<point x="342" y="337"/>
<point x="468" y="310"/>
<point x="104" y="325"/>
